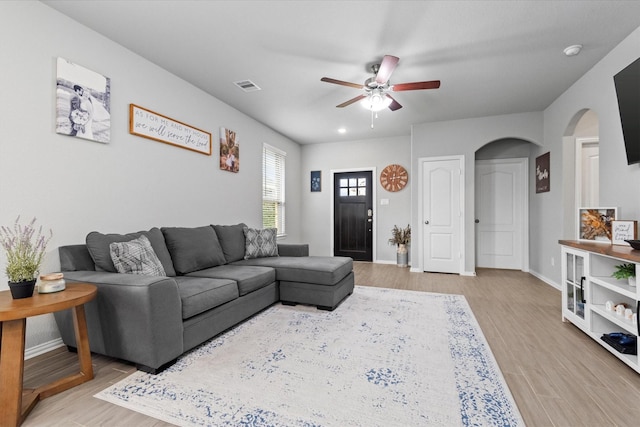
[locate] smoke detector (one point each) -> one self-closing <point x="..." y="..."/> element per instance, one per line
<point x="573" y="50"/>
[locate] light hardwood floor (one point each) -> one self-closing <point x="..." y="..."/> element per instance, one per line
<point x="557" y="375"/>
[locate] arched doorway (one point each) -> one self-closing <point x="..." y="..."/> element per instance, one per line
<point x="581" y="168"/>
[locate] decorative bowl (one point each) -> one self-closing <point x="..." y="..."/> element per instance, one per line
<point x="635" y="244"/>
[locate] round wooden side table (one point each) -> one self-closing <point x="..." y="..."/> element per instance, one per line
<point x="14" y="404"/>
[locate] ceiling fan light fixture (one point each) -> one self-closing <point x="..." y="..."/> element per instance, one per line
<point x="376" y="101"/>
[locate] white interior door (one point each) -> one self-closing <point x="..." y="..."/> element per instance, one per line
<point x="588" y="172"/>
<point x="442" y="215"/>
<point x="500" y="213"/>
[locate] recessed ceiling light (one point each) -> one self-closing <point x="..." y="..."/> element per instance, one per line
<point x="342" y="130"/>
<point x="573" y="50"/>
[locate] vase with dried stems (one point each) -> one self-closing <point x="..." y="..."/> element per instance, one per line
<point x="401" y="237"/>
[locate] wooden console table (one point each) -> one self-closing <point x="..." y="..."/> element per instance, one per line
<point x="14" y="404"/>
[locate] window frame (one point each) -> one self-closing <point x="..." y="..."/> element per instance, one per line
<point x="275" y="158"/>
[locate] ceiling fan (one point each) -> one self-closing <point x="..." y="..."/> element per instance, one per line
<point x="376" y="95"/>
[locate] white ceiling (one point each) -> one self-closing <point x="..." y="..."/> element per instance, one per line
<point x="492" y="57"/>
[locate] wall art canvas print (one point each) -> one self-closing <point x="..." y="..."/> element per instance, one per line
<point x="542" y="173"/>
<point x="83" y="99"/>
<point x="595" y="223"/>
<point x="229" y="150"/>
<point x="316" y="181"/>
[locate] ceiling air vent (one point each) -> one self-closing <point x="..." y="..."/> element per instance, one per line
<point x="247" y="85"/>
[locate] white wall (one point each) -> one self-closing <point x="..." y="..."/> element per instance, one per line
<point x="373" y="153"/>
<point x="619" y="182"/>
<point x="551" y="131"/>
<point x="74" y="186"/>
<point x="465" y="137"/>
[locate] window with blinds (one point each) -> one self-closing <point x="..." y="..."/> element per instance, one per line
<point x="273" y="188"/>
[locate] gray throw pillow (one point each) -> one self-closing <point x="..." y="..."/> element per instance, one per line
<point x="136" y="257"/>
<point x="193" y="249"/>
<point x="231" y="239"/>
<point x="260" y="243"/>
<point x="98" y="246"/>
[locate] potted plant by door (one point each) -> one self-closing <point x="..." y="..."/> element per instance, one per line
<point x="401" y="237"/>
<point x="626" y="271"/>
<point x="24" y="247"/>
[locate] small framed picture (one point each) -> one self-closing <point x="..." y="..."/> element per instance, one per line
<point x="595" y="223"/>
<point x="543" y="165"/>
<point x="316" y="181"/>
<point x="622" y="230"/>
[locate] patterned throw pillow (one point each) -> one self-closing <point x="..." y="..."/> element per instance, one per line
<point x="136" y="257"/>
<point x="260" y="243"/>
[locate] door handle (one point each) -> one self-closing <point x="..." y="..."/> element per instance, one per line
<point x="477" y="221"/>
<point x="427" y="222"/>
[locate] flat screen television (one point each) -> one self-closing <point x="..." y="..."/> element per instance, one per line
<point x="627" y="84"/>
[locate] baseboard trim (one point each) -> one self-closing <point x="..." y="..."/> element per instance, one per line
<point x="43" y="348"/>
<point x="384" y="261"/>
<point x="545" y="280"/>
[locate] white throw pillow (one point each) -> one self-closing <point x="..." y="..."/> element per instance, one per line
<point x="136" y="257"/>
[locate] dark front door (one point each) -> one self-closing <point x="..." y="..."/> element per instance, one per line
<point x="353" y="215"/>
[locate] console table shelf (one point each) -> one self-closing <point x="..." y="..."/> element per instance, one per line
<point x="587" y="286"/>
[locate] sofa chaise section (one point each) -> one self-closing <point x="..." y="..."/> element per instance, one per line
<point x="320" y="281"/>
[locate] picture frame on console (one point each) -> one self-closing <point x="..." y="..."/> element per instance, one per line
<point x="594" y="224"/>
<point x="622" y="230"/>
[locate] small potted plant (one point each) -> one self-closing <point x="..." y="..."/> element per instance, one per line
<point x="401" y="237"/>
<point x="25" y="248"/>
<point x="626" y="271"/>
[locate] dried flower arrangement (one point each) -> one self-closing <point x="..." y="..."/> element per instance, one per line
<point x="401" y="236"/>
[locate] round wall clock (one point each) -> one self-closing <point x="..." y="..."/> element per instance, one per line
<point x="394" y="178"/>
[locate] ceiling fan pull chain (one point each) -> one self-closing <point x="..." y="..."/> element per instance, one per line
<point x="372" y="118"/>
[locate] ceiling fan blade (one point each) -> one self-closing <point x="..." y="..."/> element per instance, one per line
<point x="395" y="105"/>
<point x="433" y="84"/>
<point x="340" y="82"/>
<point x="351" y="101"/>
<point x="386" y="68"/>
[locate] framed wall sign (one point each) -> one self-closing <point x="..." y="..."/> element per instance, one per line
<point x="147" y="124"/>
<point x="543" y="165"/>
<point x="622" y="230"/>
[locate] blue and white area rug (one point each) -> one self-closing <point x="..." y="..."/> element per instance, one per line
<point x="382" y="358"/>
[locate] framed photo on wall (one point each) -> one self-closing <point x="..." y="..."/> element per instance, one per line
<point x="229" y="150"/>
<point x="595" y="224"/>
<point x="316" y="181"/>
<point x="622" y="230"/>
<point x="83" y="102"/>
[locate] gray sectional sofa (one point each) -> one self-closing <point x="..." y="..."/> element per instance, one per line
<point x="214" y="277"/>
